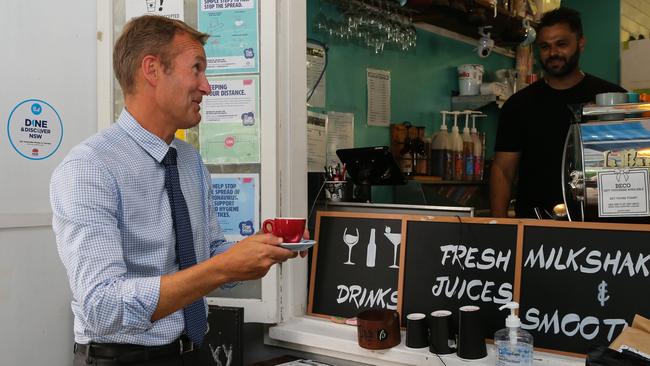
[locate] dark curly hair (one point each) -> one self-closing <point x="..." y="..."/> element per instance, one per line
<point x="562" y="15"/>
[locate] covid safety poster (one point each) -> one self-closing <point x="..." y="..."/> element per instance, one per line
<point x="233" y="46"/>
<point x="236" y="203"/>
<point x="230" y="127"/>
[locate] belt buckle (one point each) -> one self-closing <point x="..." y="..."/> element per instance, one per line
<point x="185" y="345"/>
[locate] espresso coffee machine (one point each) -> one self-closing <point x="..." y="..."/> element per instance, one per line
<point x="606" y="164"/>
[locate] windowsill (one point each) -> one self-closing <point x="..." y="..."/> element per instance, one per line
<point x="315" y="335"/>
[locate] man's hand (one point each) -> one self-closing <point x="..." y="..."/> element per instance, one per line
<point x="251" y="258"/>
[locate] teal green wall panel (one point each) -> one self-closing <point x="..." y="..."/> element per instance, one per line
<point x="421" y="79"/>
<point x="601" y="22"/>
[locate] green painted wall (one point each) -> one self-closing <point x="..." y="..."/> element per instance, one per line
<point x="601" y="22"/>
<point x="422" y="79"/>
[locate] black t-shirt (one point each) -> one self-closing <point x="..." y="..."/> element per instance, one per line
<point x="535" y="122"/>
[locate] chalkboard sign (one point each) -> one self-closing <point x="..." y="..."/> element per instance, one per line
<point x="580" y="283"/>
<point x="350" y="273"/>
<point x="223" y="344"/>
<point x="449" y="264"/>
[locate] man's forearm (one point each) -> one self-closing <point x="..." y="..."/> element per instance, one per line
<point x="500" y="188"/>
<point x="180" y="289"/>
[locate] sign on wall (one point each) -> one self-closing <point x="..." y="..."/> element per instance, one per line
<point x="230" y="131"/>
<point x="168" y="8"/>
<point x="35" y="129"/>
<point x="233" y="46"/>
<point x="236" y="202"/>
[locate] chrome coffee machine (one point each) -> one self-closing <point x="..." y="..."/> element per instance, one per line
<point x="606" y="165"/>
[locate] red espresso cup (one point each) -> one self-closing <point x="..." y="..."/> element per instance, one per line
<point x="288" y="228"/>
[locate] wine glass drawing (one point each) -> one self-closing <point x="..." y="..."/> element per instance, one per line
<point x="350" y="240"/>
<point x="395" y="239"/>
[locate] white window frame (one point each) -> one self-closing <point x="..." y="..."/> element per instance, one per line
<point x="266" y="309"/>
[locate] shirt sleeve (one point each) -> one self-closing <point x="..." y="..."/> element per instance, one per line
<point x="510" y="133"/>
<point x="86" y="214"/>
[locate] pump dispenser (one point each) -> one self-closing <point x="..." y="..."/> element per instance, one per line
<point x="441" y="158"/>
<point x="468" y="149"/>
<point x="479" y="158"/>
<point x="456" y="147"/>
<point x="514" y="345"/>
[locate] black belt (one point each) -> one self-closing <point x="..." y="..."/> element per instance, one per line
<point x="134" y="353"/>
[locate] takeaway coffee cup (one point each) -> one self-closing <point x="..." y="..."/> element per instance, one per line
<point x="471" y="339"/>
<point x="290" y="229"/>
<point x="378" y="329"/>
<point x="417" y="330"/>
<point x="439" y="334"/>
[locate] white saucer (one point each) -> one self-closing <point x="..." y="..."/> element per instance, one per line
<point x="299" y="246"/>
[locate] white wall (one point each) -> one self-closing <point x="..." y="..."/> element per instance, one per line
<point x="35" y="315"/>
<point x="632" y="76"/>
<point x="48" y="53"/>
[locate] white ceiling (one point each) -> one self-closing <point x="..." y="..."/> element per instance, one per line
<point x="635" y="19"/>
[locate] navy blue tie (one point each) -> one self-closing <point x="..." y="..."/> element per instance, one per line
<point x="195" y="320"/>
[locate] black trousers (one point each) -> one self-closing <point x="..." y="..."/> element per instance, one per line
<point x="114" y="354"/>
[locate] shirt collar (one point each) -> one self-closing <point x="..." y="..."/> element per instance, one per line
<point x="152" y="144"/>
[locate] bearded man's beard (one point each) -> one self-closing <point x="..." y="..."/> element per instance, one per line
<point x="569" y="65"/>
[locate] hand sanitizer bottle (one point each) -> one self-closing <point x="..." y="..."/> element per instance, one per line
<point x="514" y="346"/>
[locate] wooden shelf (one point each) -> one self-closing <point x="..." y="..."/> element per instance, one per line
<point x="471" y="102"/>
<point x="430" y="179"/>
<point x="464" y="17"/>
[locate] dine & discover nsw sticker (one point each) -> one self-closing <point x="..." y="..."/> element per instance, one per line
<point x="35" y="129"/>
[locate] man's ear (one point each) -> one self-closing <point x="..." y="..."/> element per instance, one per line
<point x="581" y="43"/>
<point x="151" y="69"/>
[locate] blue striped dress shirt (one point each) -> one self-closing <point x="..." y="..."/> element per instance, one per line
<point x="114" y="231"/>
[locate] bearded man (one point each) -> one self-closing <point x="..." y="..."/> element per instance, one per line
<point x="534" y="122"/>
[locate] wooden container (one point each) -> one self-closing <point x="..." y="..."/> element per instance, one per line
<point x="378" y="329"/>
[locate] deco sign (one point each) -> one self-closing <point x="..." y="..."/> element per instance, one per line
<point x="35" y="129"/>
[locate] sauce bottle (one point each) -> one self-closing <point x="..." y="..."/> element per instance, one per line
<point x="456" y="147"/>
<point x="440" y="152"/>
<point x="468" y="149"/>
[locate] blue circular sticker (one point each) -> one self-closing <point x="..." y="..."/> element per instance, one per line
<point x="35" y="129"/>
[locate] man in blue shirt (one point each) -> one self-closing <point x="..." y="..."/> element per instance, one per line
<point x="114" y="220"/>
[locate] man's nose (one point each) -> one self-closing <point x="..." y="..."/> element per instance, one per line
<point x="205" y="86"/>
<point x="555" y="51"/>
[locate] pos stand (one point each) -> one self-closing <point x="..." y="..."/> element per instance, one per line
<point x="369" y="166"/>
